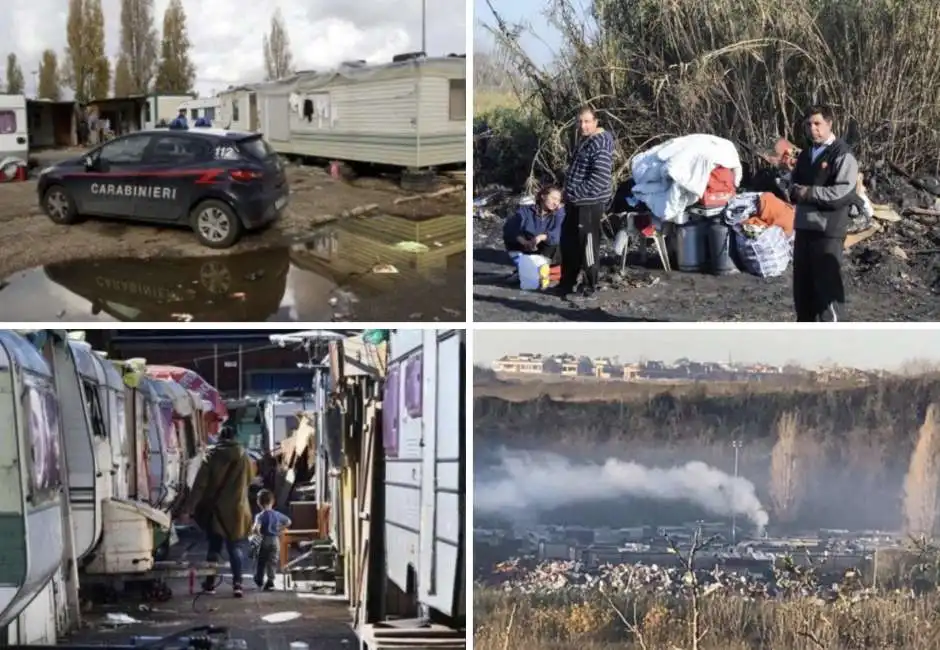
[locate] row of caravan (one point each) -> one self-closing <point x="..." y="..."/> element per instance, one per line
<point x="96" y="457"/>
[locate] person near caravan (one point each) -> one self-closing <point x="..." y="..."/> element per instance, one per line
<point x="180" y="121"/>
<point x="267" y="529"/>
<point x="823" y="189"/>
<point x="588" y="189"/>
<point x="536" y="228"/>
<point x="219" y="505"/>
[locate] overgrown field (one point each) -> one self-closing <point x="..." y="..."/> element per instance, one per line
<point x="591" y="621"/>
<point x="741" y="69"/>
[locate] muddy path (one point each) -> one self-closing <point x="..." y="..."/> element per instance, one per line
<point x="402" y="260"/>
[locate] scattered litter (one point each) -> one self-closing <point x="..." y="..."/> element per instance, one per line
<point x="384" y="268"/>
<point x="119" y="618"/>
<point x="239" y="295"/>
<point x="183" y="318"/>
<point x="281" y="617"/>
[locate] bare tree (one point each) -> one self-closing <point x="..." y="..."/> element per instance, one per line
<point x="176" y="73"/>
<point x="49" y="77"/>
<point x="278" y="59"/>
<point x="138" y="45"/>
<point x="787" y="468"/>
<point x="920" y="484"/>
<point x="15" y="81"/>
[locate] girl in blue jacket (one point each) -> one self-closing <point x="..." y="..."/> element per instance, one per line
<point x="536" y="229"/>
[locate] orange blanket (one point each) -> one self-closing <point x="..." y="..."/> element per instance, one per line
<point x="774" y="212"/>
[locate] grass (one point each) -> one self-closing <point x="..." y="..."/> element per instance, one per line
<point x="589" y="621"/>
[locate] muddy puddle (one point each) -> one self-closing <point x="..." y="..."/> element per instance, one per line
<point x="370" y="269"/>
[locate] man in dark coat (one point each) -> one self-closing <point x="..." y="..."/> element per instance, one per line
<point x="823" y="190"/>
<point x="219" y="503"/>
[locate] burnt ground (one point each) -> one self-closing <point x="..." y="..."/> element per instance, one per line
<point x="124" y="271"/>
<point x="893" y="276"/>
<point x="324" y="621"/>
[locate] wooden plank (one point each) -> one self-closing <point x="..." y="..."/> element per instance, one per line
<point x="858" y="237"/>
<point x="886" y="213"/>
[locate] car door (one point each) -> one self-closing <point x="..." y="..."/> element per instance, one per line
<point x="109" y="186"/>
<point x="172" y="168"/>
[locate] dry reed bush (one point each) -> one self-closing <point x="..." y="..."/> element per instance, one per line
<point x="921" y="482"/>
<point x="741" y="69"/>
<point x="729" y="623"/>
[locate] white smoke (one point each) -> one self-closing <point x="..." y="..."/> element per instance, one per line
<point x="542" y="481"/>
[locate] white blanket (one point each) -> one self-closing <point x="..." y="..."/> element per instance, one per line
<point x="674" y="175"/>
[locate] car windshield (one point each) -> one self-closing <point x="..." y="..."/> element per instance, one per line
<point x="256" y="147"/>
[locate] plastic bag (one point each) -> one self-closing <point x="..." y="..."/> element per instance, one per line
<point x="534" y="272"/>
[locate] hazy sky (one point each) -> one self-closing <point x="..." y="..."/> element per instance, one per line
<point x="860" y="349"/>
<point x="226" y="36"/>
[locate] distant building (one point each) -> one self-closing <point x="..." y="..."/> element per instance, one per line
<point x="520" y="364"/>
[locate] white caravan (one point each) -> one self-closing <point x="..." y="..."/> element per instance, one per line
<point x="131" y="522"/>
<point x="38" y="583"/>
<point x="189" y="422"/>
<point x="14" y="135"/>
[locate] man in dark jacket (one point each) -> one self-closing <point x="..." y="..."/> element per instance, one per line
<point x="219" y="503"/>
<point x="823" y="190"/>
<point x="588" y="188"/>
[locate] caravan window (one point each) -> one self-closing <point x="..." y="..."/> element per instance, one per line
<point x="458" y="100"/>
<point x="234" y="110"/>
<point x="7" y="122"/>
<point x="92" y="398"/>
<point x="40" y="403"/>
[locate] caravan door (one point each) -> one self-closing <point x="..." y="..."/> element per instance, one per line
<point x="111" y="390"/>
<point x="93" y="380"/>
<point x="167" y="406"/>
<point x="30" y="485"/>
<point x="156" y="454"/>
<point x="14" y="131"/>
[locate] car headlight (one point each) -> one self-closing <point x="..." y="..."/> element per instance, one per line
<point x="46" y="170"/>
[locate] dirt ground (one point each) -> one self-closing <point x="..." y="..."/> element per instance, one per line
<point x="323" y="622"/>
<point x="29" y="239"/>
<point x="893" y="276"/>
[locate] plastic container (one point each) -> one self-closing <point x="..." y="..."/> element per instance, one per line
<point x="691" y="245"/>
<point x="720" y="261"/>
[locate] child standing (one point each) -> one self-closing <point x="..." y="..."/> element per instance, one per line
<point x="268" y="526"/>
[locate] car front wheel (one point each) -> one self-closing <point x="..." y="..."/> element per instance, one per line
<point x="216" y="224"/>
<point x="58" y="206"/>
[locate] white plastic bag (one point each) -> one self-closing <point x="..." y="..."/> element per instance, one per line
<point x="534" y="272"/>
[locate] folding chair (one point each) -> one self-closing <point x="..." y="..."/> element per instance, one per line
<point x="641" y="224"/>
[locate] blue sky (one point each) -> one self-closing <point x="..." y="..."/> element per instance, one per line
<point x="525" y="11"/>
<point x="855" y="348"/>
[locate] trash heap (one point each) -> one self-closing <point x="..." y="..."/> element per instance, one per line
<point x="570" y="578"/>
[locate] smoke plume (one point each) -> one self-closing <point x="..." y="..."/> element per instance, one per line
<point x="542" y="481"/>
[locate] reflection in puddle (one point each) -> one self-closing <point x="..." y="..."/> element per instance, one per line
<point x="373" y="268"/>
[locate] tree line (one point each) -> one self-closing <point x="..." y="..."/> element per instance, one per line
<point x="146" y="63"/>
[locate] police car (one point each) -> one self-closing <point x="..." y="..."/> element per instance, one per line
<point x="220" y="183"/>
